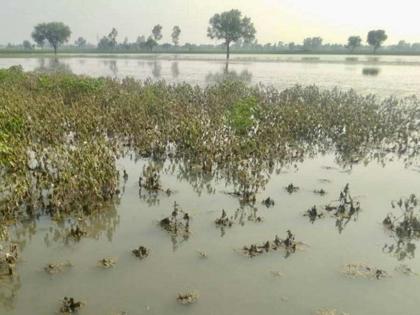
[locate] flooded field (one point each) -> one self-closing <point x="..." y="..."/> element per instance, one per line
<point x="144" y="198"/>
<point x="227" y="281"/>
<point x="381" y="75"/>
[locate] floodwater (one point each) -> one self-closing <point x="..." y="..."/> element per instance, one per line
<point x="227" y="281"/>
<point x="381" y="75"/>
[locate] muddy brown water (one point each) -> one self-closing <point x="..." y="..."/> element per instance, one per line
<point x="380" y="75"/>
<point x="227" y="282"/>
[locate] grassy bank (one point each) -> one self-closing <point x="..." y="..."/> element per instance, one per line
<point x="61" y="135"/>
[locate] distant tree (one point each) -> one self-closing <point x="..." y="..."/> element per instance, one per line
<point x="312" y="43"/>
<point x="80" y="42"/>
<point x="110" y="41"/>
<point x="150" y="43"/>
<point x="403" y="45"/>
<point x="56" y="33"/>
<point x="353" y="42"/>
<point x="125" y="44"/>
<point x="176" y="32"/>
<point x="230" y="26"/>
<point x="376" y="38"/>
<point x="140" y="40"/>
<point x="157" y="32"/>
<point x="27" y="45"/>
<point x="292" y="45"/>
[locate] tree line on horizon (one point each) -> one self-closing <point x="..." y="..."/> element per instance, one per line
<point x="234" y="30"/>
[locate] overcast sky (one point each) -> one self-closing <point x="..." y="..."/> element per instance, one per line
<point x="275" y="20"/>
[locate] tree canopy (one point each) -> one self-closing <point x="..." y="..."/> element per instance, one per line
<point x="56" y="33"/>
<point x="353" y="42"/>
<point x="376" y="38"/>
<point x="150" y="43"/>
<point x="80" y="42"/>
<point x="230" y="26"/>
<point x="110" y="41"/>
<point x="176" y="32"/>
<point x="157" y="32"/>
<point x="27" y="45"/>
<point x="312" y="43"/>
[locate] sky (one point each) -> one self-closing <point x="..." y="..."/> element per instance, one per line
<point x="275" y="20"/>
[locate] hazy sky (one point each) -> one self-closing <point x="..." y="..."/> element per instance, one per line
<point x="275" y="20"/>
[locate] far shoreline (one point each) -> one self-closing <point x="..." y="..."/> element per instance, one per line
<point x="5" y="53"/>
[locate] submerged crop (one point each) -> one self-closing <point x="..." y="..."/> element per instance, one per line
<point x="61" y="135"/>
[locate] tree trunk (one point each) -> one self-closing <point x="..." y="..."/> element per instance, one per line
<point x="55" y="49"/>
<point x="227" y="50"/>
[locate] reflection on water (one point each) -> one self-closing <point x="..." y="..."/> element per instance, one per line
<point x="49" y="65"/>
<point x="94" y="226"/>
<point x="398" y="76"/>
<point x="9" y="288"/>
<point x="175" y="69"/>
<point x="174" y="263"/>
<point x="243" y="76"/>
<point x="112" y="66"/>
<point x="156" y="69"/>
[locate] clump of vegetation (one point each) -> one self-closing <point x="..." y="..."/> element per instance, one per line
<point x="371" y="71"/>
<point x="240" y="216"/>
<point x="291" y="188"/>
<point x="344" y="209"/>
<point x="150" y="179"/>
<point x="358" y="270"/>
<point x="58" y="267"/>
<point x="224" y="220"/>
<point x="407" y="225"/>
<point x="188" y="298"/>
<point x="313" y="214"/>
<point x="69" y="305"/>
<point x="243" y="116"/>
<point x="141" y="252"/>
<point x="8" y="260"/>
<point x="320" y="192"/>
<point x="289" y="245"/>
<point x="77" y="233"/>
<point x="269" y="202"/>
<point x="107" y="262"/>
<point x="178" y="223"/>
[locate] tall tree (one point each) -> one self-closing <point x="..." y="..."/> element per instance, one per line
<point x="376" y="38"/>
<point x="80" y="42"/>
<point x="150" y="43"/>
<point x="27" y="45"/>
<point x="312" y="43"/>
<point x="157" y="32"/>
<point x="110" y="41"/>
<point x="176" y="31"/>
<point x="353" y="42"/>
<point x="230" y="26"/>
<point x="56" y="33"/>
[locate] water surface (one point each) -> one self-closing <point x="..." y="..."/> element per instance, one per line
<point x="382" y="75"/>
<point x="228" y="282"/>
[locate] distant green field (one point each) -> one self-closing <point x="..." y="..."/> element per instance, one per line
<point x="8" y="53"/>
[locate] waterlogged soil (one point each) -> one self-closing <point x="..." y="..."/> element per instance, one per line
<point x="381" y="75"/>
<point x="210" y="261"/>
